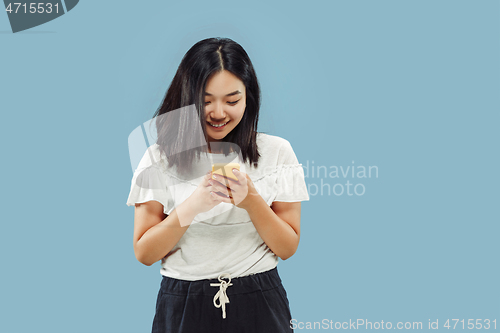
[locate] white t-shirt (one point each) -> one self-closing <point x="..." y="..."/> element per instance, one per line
<point x="224" y="239"/>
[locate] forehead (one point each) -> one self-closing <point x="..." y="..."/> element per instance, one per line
<point x="224" y="84"/>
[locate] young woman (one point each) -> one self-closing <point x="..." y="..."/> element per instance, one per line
<point x="218" y="238"/>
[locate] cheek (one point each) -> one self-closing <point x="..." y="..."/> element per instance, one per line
<point x="240" y="111"/>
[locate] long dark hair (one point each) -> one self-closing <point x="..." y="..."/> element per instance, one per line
<point x="203" y="59"/>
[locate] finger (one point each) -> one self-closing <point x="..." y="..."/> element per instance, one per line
<point x="225" y="179"/>
<point x="220" y="197"/>
<point x="238" y="174"/>
<point x="214" y="196"/>
<point x="207" y="178"/>
<point x="229" y="185"/>
<point x="222" y="187"/>
<point x="242" y="177"/>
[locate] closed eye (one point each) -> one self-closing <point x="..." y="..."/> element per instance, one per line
<point x="230" y="103"/>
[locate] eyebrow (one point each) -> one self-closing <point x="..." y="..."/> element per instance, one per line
<point x="236" y="92"/>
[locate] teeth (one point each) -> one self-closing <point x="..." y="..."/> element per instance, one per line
<point x="218" y="125"/>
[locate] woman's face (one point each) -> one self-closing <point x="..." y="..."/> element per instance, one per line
<point x="225" y="102"/>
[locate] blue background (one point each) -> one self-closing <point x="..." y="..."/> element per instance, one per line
<point x="411" y="87"/>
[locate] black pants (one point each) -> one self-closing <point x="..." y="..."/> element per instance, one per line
<point x="257" y="303"/>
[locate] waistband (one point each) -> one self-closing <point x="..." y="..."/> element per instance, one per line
<point x="246" y="284"/>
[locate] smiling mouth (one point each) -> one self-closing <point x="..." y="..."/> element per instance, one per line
<point x="218" y="125"/>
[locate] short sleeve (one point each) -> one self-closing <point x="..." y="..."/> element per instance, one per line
<point x="290" y="181"/>
<point x="149" y="183"/>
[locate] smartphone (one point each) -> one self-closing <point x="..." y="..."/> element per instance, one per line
<point x="226" y="169"/>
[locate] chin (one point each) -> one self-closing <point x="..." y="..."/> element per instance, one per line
<point x="218" y="137"/>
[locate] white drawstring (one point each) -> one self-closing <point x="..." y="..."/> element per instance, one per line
<point x="221" y="294"/>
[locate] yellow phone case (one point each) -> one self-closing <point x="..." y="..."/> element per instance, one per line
<point x="225" y="169"/>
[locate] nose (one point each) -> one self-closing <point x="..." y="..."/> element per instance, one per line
<point x="218" y="112"/>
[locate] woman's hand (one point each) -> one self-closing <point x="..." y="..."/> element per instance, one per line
<point x="240" y="193"/>
<point x="201" y="200"/>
